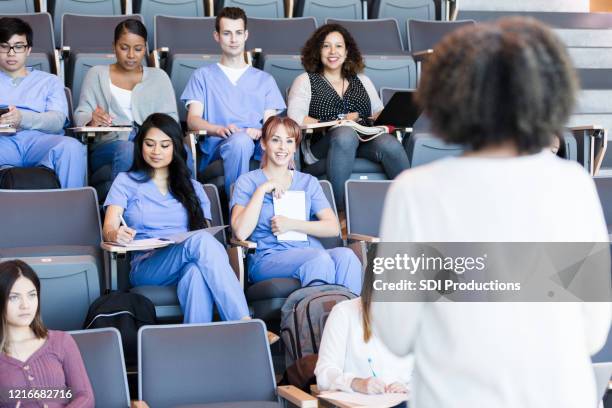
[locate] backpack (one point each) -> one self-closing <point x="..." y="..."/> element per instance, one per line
<point x="28" y="178"/>
<point x="303" y="317"/>
<point x="126" y="312"/>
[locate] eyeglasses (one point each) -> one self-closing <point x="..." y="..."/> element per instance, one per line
<point x="17" y="49"/>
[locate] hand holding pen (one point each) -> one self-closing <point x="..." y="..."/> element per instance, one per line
<point x="124" y="234"/>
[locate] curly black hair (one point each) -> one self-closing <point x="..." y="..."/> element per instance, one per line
<point x="311" y="53"/>
<point x="511" y="80"/>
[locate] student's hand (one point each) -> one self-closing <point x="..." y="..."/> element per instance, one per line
<point x="397" y="388"/>
<point x="254" y="134"/>
<point x="371" y="385"/>
<point x="12" y="117"/>
<point x="273" y="186"/>
<point x="354" y="116"/>
<point x="100" y="117"/>
<point x="281" y="224"/>
<point x="233" y="128"/>
<point x="222" y="131"/>
<point x="124" y="235"/>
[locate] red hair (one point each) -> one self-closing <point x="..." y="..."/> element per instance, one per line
<point x="269" y="128"/>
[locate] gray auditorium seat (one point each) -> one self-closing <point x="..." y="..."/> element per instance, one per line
<point x="164" y="298"/>
<point x="190" y="45"/>
<point x="280" y="55"/>
<point x="17" y="6"/>
<point x="226" y="364"/>
<point x="148" y="9"/>
<point x="425" y="34"/>
<point x="404" y="10"/>
<point x="324" y="9"/>
<point x="424" y="148"/>
<point x="374" y="37"/>
<point x="256" y="8"/>
<point x="604" y="190"/>
<point x="58" y="233"/>
<point x="391" y="71"/>
<point x="42" y="56"/>
<point x="102" y="355"/>
<point x="90" y="39"/>
<point x="84" y="7"/>
<point x="364" y="200"/>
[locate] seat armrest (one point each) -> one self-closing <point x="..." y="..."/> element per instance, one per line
<point x="196" y="134"/>
<point x="581" y="128"/>
<point x="65" y="51"/>
<point x="363" y="237"/>
<point x="139" y="404"/>
<point x="156" y="56"/>
<point x="421" y="56"/>
<point x="244" y="244"/>
<point x="297" y="397"/>
<point x="289" y="8"/>
<point x="89" y="133"/>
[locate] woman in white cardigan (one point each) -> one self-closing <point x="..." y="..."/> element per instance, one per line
<point x="124" y="93"/>
<point x="353" y="359"/>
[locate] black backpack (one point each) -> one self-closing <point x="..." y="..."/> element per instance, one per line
<point x="28" y="178"/>
<point x="126" y="312"/>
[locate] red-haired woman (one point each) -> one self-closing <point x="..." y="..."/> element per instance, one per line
<point x="253" y="218"/>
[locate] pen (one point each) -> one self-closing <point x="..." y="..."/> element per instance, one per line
<point x="371" y="369"/>
<point x="123" y="221"/>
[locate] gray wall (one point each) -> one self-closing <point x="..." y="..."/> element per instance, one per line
<point x="525" y="5"/>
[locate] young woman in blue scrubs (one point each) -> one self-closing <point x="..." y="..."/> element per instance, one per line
<point x="253" y="217"/>
<point x="157" y="198"/>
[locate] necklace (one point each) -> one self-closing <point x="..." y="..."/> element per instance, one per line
<point x="341" y="115"/>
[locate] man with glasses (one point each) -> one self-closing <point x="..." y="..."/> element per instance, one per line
<point x="34" y="103"/>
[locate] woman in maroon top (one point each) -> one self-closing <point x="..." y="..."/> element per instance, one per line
<point x="38" y="367"/>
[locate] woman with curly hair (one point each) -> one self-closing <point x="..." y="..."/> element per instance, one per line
<point x="333" y="87"/>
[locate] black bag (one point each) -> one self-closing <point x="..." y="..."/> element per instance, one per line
<point x="126" y="312"/>
<point x="28" y="178"/>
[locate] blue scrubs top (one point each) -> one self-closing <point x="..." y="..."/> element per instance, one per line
<point x="224" y="103"/>
<point x="147" y="210"/>
<point x="262" y="234"/>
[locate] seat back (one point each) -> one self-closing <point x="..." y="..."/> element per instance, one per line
<point x="151" y="8"/>
<point x="84" y="7"/>
<point x="102" y="354"/>
<point x="425" y="34"/>
<point x="215" y="209"/>
<point x="58" y="233"/>
<point x="173" y="361"/>
<point x="364" y="200"/>
<point x="330" y="242"/>
<point x="17" y="6"/>
<point x="603" y="372"/>
<point x="322" y="9"/>
<point x="604" y="190"/>
<point x="391" y="71"/>
<point x="257" y="8"/>
<point x="404" y="10"/>
<point x="374" y="37"/>
<point x="284" y="69"/>
<point x="42" y="55"/>
<point x="188" y="35"/>
<point x="264" y="34"/>
<point x="424" y="148"/>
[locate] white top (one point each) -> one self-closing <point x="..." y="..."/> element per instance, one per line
<point x="123" y="98"/>
<point x="503" y="355"/>
<point x="300" y="94"/>
<point x="233" y="74"/>
<point x="343" y="355"/>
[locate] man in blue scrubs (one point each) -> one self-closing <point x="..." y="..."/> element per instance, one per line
<point x="37" y="109"/>
<point x="231" y="100"/>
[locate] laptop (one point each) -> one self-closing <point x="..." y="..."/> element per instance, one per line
<point x="401" y="111"/>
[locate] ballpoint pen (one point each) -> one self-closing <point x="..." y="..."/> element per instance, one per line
<point x="371" y="369"/>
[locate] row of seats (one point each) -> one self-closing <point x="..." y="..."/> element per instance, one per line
<point x="176" y="369"/>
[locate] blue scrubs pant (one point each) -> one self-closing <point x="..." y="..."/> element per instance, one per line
<point x="200" y="268"/>
<point x="118" y="153"/>
<point x="66" y="156"/>
<point x="236" y="152"/>
<point x="338" y="265"/>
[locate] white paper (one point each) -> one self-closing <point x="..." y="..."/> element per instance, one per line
<point x="357" y="399"/>
<point x="147" y="243"/>
<point x="291" y="205"/>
